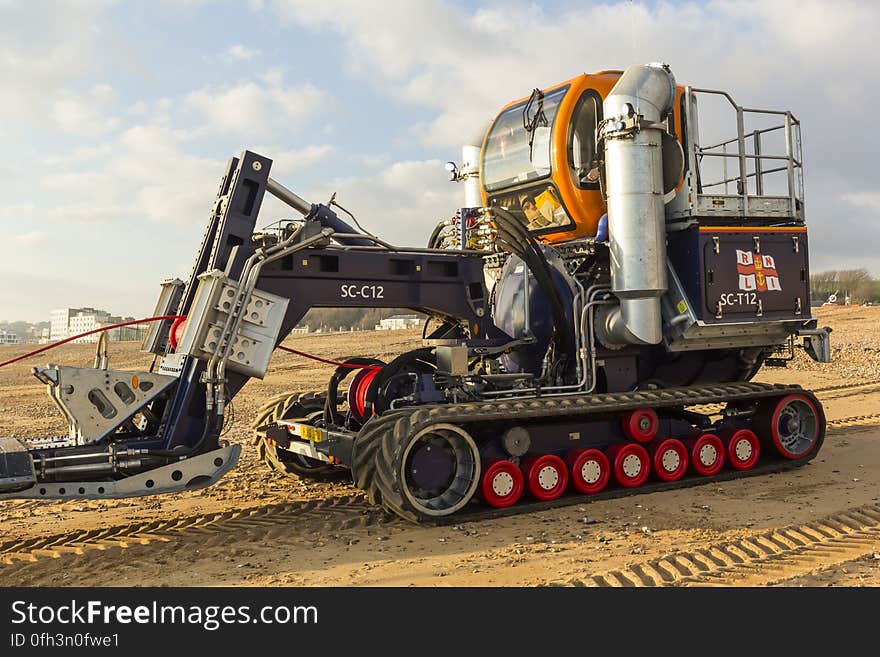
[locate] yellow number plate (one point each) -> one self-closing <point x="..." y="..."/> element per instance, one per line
<point x="311" y="434"/>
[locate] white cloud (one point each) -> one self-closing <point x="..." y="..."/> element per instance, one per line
<point x="78" y="155"/>
<point x="470" y="62"/>
<point x="241" y="53"/>
<point x="147" y="173"/>
<point x="48" y="49"/>
<point x="370" y="160"/>
<point x="84" y="115"/>
<point x="400" y="203"/>
<point x="32" y="237"/>
<point x="140" y="108"/>
<point x="285" y="162"/>
<point x="866" y="200"/>
<point x="256" y="108"/>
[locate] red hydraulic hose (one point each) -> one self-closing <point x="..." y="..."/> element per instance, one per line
<point x="350" y="366"/>
<point x="173" y="317"/>
<point x="82" y="335"/>
<point x="302" y="353"/>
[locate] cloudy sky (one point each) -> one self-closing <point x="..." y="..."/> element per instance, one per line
<point x="117" y="118"/>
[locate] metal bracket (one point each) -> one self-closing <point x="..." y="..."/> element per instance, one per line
<point x="189" y="474"/>
<point x="16" y="466"/>
<point x="156" y="339"/>
<point x="757" y="240"/>
<point x="817" y="343"/>
<point x="253" y="342"/>
<point x="96" y="402"/>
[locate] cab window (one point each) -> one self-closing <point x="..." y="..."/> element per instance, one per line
<point x="513" y="155"/>
<point x="538" y="206"/>
<point x="582" y="141"/>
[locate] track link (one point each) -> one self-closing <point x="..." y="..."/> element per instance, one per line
<point x="377" y="448"/>
<point x="771" y="557"/>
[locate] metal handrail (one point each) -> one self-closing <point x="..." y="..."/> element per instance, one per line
<point x="733" y="139"/>
<point x="751" y="175"/>
<point x="751" y="157"/>
<point x="792" y="158"/>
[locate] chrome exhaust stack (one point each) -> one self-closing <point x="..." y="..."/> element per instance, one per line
<point x="470" y="168"/>
<point x="632" y="133"/>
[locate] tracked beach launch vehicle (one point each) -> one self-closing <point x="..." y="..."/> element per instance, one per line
<point x="596" y="310"/>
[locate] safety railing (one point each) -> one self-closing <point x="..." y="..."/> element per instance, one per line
<point x="751" y="164"/>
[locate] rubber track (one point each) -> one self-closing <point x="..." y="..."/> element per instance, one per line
<point x="375" y="473"/>
<point x="770" y="557"/>
<point x="850" y="388"/>
<point x="331" y="514"/>
<point x="363" y="465"/>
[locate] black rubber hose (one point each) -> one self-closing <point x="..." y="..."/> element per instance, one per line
<point x="511" y="230"/>
<point x="529" y="242"/>
<point x="210" y="424"/>
<point x="538" y="265"/>
<point x="432" y="241"/>
<point x="559" y="319"/>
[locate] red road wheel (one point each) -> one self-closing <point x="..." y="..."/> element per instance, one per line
<point x="706" y="454"/>
<point x="743" y="448"/>
<point x="502" y="483"/>
<point x="640" y="425"/>
<point x="590" y="470"/>
<point x="546" y="476"/>
<point x="669" y="459"/>
<point x="631" y="464"/>
<point x="793" y="427"/>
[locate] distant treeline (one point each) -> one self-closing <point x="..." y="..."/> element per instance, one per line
<point x="854" y="283"/>
<point x="24" y="330"/>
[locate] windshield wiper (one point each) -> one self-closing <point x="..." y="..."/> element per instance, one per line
<point x="539" y="119"/>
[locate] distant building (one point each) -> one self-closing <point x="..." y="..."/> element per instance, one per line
<point x="398" y="322"/>
<point x="88" y="319"/>
<point x="7" y="338"/>
<point x="300" y="329"/>
<point x="59" y="322"/>
<point x="67" y="322"/>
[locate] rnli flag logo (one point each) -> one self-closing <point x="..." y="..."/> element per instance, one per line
<point x="757" y="273"/>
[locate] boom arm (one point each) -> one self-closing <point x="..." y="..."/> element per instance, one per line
<point x="308" y="271"/>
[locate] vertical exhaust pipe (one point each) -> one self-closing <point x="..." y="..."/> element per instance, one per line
<point x="631" y="130"/>
<point x="470" y="168"/>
